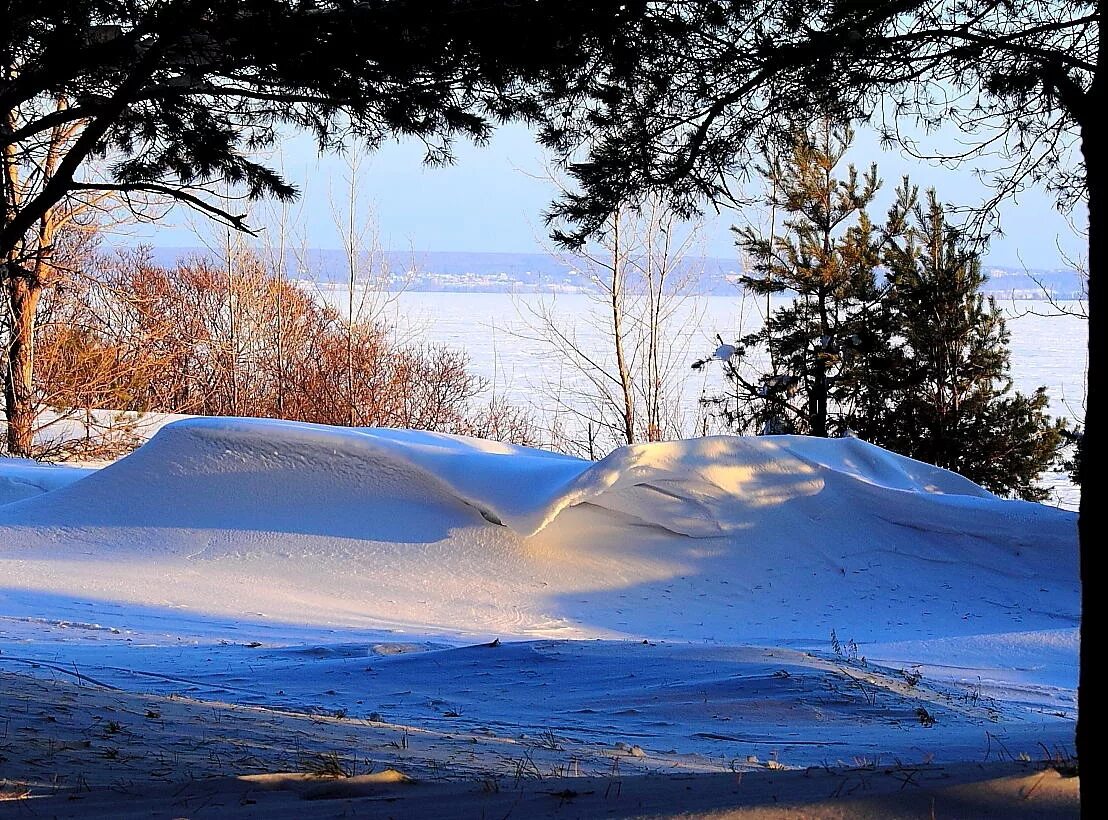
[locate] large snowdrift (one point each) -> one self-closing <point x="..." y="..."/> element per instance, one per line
<point x="309" y="568"/>
<point x="724" y="538"/>
<point x="201" y="470"/>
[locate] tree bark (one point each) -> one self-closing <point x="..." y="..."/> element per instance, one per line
<point x="1091" y="519"/>
<point x="22" y="293"/>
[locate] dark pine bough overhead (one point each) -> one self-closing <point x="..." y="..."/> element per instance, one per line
<point x="111" y="103"/>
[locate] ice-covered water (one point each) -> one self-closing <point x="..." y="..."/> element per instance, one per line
<point x="498" y="332"/>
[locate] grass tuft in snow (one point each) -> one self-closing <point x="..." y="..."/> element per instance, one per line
<point x="330" y="765"/>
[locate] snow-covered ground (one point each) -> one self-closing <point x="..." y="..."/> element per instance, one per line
<point x="703" y="604"/>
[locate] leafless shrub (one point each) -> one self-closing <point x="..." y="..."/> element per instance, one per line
<point x="200" y="339"/>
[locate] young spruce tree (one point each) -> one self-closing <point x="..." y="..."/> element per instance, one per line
<point x="915" y="360"/>
<point x="952" y="402"/>
<point x="826" y="255"/>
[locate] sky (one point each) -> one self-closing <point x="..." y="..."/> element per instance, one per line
<point x="493" y="198"/>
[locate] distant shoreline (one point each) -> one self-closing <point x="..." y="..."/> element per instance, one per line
<point x="539" y="273"/>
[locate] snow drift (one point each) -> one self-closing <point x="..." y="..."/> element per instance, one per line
<point x="22" y="478"/>
<point x="273" y="475"/>
<point x="719" y="538"/>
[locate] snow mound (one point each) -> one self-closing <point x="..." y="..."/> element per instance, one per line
<point x="325" y="480"/>
<point x="22" y="478"/>
<point x="307" y="567"/>
<point x="722" y="538"/>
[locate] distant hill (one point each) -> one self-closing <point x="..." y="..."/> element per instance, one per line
<point x="464" y="272"/>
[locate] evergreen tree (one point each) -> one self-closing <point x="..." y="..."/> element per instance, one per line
<point x="915" y="360"/>
<point x="952" y="402"/>
<point x="826" y="255"/>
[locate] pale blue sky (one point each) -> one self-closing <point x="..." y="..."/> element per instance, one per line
<point x="493" y="199"/>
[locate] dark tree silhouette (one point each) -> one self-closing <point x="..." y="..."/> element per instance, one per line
<point x="133" y="102"/>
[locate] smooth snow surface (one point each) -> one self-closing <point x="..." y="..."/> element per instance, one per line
<point x="22" y="478"/>
<point x="324" y="543"/>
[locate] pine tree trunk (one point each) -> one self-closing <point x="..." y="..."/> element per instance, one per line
<point x="23" y="296"/>
<point x="819" y="387"/>
<point x="1091" y="519"/>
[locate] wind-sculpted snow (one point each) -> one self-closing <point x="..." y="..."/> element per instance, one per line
<point x="722" y="537"/>
<point x="701" y="487"/>
<point x="23" y="478"/>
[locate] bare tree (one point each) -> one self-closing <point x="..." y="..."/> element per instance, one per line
<point x="136" y="338"/>
<point x="80" y="368"/>
<point x="626" y="389"/>
<point x="370" y="286"/>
